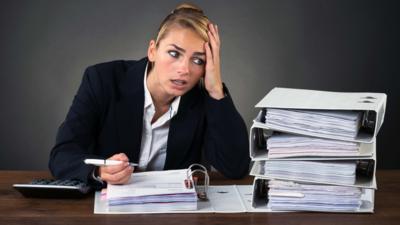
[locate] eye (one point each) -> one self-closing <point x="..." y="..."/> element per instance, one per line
<point x="173" y="53"/>
<point x="198" y="61"/>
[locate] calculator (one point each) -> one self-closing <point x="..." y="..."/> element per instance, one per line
<point x="52" y="188"/>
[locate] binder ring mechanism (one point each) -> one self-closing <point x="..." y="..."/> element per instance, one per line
<point x="192" y="176"/>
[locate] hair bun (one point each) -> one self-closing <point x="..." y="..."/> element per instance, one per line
<point x="187" y="7"/>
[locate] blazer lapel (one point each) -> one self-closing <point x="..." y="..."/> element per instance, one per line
<point x="182" y="129"/>
<point x="129" y="110"/>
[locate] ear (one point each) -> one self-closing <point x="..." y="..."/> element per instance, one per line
<point x="151" y="51"/>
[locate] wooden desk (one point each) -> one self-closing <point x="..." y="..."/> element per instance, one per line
<point x="15" y="209"/>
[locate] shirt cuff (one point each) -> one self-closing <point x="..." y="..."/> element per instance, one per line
<point x="95" y="177"/>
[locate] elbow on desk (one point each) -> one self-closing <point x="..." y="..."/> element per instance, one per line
<point x="68" y="167"/>
<point x="56" y="167"/>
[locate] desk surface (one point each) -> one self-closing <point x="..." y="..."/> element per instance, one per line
<point x="15" y="209"/>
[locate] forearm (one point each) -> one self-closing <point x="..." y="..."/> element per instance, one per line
<point x="76" y="134"/>
<point x="67" y="162"/>
<point x="226" y="140"/>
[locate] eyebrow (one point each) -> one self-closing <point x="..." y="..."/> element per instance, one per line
<point x="183" y="50"/>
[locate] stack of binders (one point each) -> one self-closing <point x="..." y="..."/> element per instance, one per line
<point x="315" y="150"/>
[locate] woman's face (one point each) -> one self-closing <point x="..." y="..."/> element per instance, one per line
<point x="179" y="61"/>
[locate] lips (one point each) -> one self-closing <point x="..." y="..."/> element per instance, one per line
<point x="179" y="83"/>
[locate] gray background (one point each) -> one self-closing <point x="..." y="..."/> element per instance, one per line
<point x="338" y="45"/>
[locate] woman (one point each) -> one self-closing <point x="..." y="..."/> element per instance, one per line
<point x="165" y="111"/>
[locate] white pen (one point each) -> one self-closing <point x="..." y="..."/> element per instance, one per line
<point x="106" y="162"/>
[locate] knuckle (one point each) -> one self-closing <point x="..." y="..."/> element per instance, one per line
<point x="107" y="170"/>
<point x="117" y="178"/>
<point x="127" y="172"/>
<point x="108" y="178"/>
<point x="111" y="169"/>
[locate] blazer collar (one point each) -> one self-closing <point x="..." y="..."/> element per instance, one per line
<point x="132" y="82"/>
<point x="182" y="129"/>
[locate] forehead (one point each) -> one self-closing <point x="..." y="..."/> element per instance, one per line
<point x="185" y="38"/>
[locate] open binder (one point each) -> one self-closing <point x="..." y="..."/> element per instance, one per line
<point x="170" y="190"/>
<point x="221" y="199"/>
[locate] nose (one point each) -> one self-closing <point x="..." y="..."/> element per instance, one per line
<point x="183" y="67"/>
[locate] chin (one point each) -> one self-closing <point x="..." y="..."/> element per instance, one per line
<point x="177" y="93"/>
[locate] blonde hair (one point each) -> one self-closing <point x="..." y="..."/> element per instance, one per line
<point x="187" y="16"/>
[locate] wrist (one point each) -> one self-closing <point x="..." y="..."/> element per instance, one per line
<point x="217" y="93"/>
<point x="96" y="175"/>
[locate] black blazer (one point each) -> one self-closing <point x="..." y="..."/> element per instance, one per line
<point x="106" y="118"/>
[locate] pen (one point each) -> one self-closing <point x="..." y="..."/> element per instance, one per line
<point x="106" y="162"/>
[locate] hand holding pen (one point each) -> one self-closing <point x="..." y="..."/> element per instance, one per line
<point x="115" y="170"/>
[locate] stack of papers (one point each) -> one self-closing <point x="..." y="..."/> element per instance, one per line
<point x="221" y="199"/>
<point x="340" y="172"/>
<point x="289" y="145"/>
<point x="326" y="122"/>
<point x="287" y="195"/>
<point x="156" y="189"/>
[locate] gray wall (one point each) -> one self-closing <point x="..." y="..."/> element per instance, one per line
<point x="339" y="45"/>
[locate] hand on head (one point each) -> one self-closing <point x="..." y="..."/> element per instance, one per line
<point x="212" y="79"/>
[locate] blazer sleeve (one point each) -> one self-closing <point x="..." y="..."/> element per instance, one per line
<point x="226" y="140"/>
<point x="76" y="135"/>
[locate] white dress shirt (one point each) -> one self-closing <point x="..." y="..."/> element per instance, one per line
<point x="153" y="150"/>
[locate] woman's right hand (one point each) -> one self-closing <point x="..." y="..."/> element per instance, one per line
<point x="119" y="174"/>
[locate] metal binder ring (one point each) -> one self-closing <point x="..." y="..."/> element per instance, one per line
<point x="201" y="192"/>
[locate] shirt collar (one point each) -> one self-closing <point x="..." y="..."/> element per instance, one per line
<point x="148" y="101"/>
